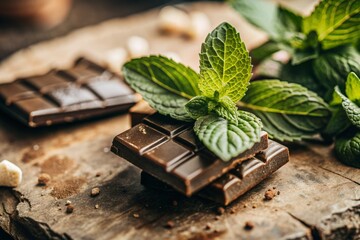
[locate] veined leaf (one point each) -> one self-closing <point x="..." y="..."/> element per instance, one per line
<point x="226" y="139"/>
<point x="288" y="111"/>
<point x="352" y="88"/>
<point x="168" y="74"/>
<point x="164" y="101"/>
<point x="337" y="22"/>
<point x="227" y="109"/>
<point x="197" y="107"/>
<point x="332" y="67"/>
<point x="225" y="66"/>
<point x="347" y="148"/>
<point x="351" y="109"/>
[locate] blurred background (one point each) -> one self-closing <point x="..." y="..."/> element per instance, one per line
<point x="24" y="22"/>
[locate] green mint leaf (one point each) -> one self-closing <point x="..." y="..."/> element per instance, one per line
<point x="332" y="67"/>
<point x="352" y="88"/>
<point x="226" y="139"/>
<point x="227" y="109"/>
<point x="335" y="21"/>
<point x="301" y="56"/>
<point x="225" y="65"/>
<point x="289" y="21"/>
<point x="260" y="13"/>
<point x="337" y="124"/>
<point x="347" y="148"/>
<point x="264" y="51"/>
<point x="288" y="111"/>
<point x="351" y="109"/>
<point x="168" y="74"/>
<point x="197" y="107"/>
<point x="159" y="98"/>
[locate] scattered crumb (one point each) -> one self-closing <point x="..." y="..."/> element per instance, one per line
<point x="249" y="225"/>
<point x="232" y="211"/>
<point x="59" y="208"/>
<point x="95" y="191"/>
<point x="67" y="188"/>
<point x="174" y="203"/>
<point x="98" y="174"/>
<point x="278" y="192"/>
<point x="269" y="194"/>
<point x="32" y="153"/>
<point x="70" y="208"/>
<point x="220" y="210"/>
<point x="68" y="202"/>
<point x="43" y="179"/>
<point x="106" y="149"/>
<point x="245" y="206"/>
<point x="274" y="188"/>
<point x="136" y="215"/>
<point x="170" y="224"/>
<point x="96" y="206"/>
<point x="208" y="226"/>
<point x="217" y="218"/>
<point x="254" y="206"/>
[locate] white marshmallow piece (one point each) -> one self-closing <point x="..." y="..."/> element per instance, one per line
<point x="174" y="20"/>
<point x="10" y="174"/>
<point x="200" y="25"/>
<point x="137" y="46"/>
<point x="115" y="59"/>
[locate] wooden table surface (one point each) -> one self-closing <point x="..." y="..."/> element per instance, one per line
<point x="319" y="197"/>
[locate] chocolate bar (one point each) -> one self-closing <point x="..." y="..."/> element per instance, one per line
<point x="237" y="181"/>
<point x="168" y="149"/>
<point x="84" y="91"/>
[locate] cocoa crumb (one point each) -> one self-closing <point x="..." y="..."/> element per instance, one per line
<point x="95" y="191"/>
<point x="274" y="188"/>
<point x="67" y="188"/>
<point x="220" y="210"/>
<point x="136" y="215"/>
<point x="96" y="206"/>
<point x="254" y="206"/>
<point x="68" y="202"/>
<point x="98" y="174"/>
<point x="249" y="225"/>
<point x="208" y="226"/>
<point x="278" y="192"/>
<point x="245" y="206"/>
<point x="70" y="208"/>
<point x="232" y="211"/>
<point x="43" y="179"/>
<point x="170" y="224"/>
<point x="217" y="218"/>
<point x="269" y="194"/>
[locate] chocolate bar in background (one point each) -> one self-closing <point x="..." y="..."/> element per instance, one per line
<point x="168" y="149"/>
<point x="237" y="181"/>
<point x="84" y="91"/>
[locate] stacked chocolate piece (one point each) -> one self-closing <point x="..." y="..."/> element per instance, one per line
<point x="84" y="91"/>
<point x="171" y="157"/>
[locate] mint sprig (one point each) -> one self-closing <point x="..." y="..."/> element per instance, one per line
<point x="208" y="98"/>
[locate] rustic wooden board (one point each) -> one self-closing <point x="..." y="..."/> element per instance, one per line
<point x="319" y="197"/>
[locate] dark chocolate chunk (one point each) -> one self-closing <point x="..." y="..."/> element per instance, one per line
<point x="86" y="90"/>
<point x="162" y="147"/>
<point x="238" y="181"/>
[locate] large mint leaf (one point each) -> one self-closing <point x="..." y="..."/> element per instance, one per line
<point x="164" y="101"/>
<point x="351" y="109"/>
<point x="167" y="73"/>
<point x="332" y="67"/>
<point x="336" y="22"/>
<point x="225" y="66"/>
<point x="226" y="139"/>
<point x="262" y="14"/>
<point x="347" y="148"/>
<point x="352" y="88"/>
<point x="288" y="111"/>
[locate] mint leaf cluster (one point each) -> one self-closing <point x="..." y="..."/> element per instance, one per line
<point x="321" y="50"/>
<point x="208" y="98"/>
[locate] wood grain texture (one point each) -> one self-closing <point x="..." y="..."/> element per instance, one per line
<point x="319" y="197"/>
